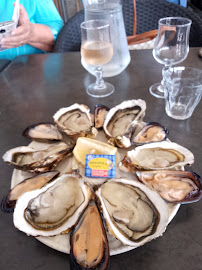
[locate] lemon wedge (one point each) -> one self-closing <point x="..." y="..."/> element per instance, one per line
<point x="85" y="146"/>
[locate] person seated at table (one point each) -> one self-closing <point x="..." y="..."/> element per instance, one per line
<point x="38" y="27"/>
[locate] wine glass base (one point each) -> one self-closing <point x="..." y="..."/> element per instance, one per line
<point x="157" y="90"/>
<point x="98" y="92"/>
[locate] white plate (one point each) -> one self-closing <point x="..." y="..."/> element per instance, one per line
<point x="61" y="242"/>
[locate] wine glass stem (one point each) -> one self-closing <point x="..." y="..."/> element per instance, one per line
<point x="163" y="72"/>
<point x="99" y="80"/>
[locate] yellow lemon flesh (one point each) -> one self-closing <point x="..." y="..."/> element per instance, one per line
<point x="85" y="146"/>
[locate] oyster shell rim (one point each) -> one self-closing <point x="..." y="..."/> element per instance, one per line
<point x="92" y="132"/>
<point x="124" y="140"/>
<point x="153" y="196"/>
<point x="187" y="154"/>
<point x="122" y="105"/>
<point x="18" y="215"/>
<point x="41" y="165"/>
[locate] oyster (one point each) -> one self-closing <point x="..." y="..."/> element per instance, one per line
<point x="35" y="182"/>
<point x="88" y="241"/>
<point x="76" y="121"/>
<point x="54" y="208"/>
<point x="45" y="131"/>
<point x="100" y="113"/>
<point x="134" y="214"/>
<point x="173" y="186"/>
<point x="151" y="132"/>
<point x="156" y="156"/>
<point x="121" y="122"/>
<point x="32" y="160"/>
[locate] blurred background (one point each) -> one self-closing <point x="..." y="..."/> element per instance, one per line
<point x="68" y="8"/>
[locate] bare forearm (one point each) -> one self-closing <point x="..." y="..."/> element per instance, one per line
<point x="37" y="35"/>
<point x="41" y="37"/>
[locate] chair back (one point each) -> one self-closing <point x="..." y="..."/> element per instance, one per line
<point x="69" y="38"/>
<point x="148" y="13"/>
<point x="141" y="23"/>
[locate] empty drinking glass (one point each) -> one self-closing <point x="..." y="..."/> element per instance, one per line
<point x="171" y="46"/>
<point x="183" y="90"/>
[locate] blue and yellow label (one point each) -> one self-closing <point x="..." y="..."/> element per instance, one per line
<point x="100" y="166"/>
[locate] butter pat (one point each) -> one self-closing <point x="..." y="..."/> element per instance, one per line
<point x="99" y="166"/>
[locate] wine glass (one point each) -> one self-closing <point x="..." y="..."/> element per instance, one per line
<point x="96" y="50"/>
<point x="171" y="46"/>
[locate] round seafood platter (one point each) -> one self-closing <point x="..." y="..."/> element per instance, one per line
<point x="53" y="199"/>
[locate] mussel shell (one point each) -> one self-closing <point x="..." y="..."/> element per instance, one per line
<point x="4" y="206"/>
<point x="100" y="113"/>
<point x="200" y="53"/>
<point x="169" y="191"/>
<point x="29" y="184"/>
<point x="135" y="140"/>
<point x="78" y="261"/>
<point x="42" y="131"/>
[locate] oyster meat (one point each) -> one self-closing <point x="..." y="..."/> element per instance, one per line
<point x="32" y="160"/>
<point x="156" y="156"/>
<point x="133" y="213"/>
<point x="46" y="131"/>
<point x="32" y="183"/>
<point x="173" y="186"/>
<point x="53" y="209"/>
<point x="151" y="132"/>
<point x="121" y="122"/>
<point x="76" y="121"/>
<point x="88" y="241"/>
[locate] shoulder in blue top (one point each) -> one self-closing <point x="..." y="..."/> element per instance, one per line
<point x="39" y="11"/>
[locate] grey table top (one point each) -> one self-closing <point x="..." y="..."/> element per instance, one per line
<point x="32" y="89"/>
<point x="3" y="63"/>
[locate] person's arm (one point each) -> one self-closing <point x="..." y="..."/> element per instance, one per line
<point x="41" y="37"/>
<point x="36" y="35"/>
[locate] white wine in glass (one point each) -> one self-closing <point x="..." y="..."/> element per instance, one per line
<point x="97" y="50"/>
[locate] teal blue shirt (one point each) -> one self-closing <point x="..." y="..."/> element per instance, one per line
<point x="39" y="11"/>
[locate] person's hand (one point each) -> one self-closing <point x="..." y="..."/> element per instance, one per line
<point x="22" y="34"/>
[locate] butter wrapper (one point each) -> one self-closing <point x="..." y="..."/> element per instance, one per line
<point x="100" y="166"/>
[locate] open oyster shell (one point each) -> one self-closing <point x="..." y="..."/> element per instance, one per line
<point x="53" y="209"/>
<point x="173" y="186"/>
<point x="121" y="121"/>
<point x="133" y="213"/>
<point x="156" y="156"/>
<point x="76" y="121"/>
<point x="32" y="160"/>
